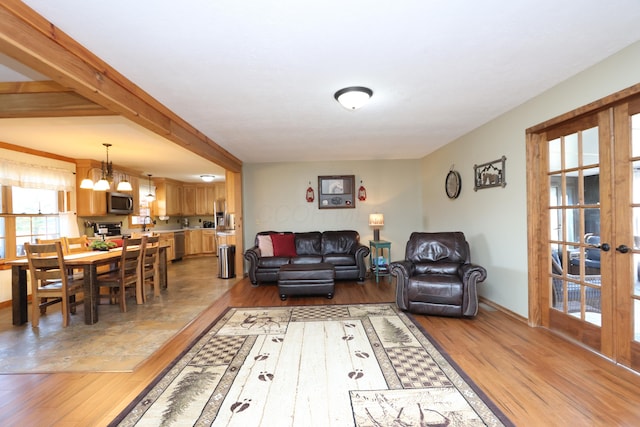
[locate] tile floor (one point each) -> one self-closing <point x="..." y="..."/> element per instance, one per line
<point x="119" y="341"/>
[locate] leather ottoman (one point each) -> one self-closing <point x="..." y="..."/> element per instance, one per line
<point x="306" y="279"/>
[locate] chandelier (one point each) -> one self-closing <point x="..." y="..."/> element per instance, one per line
<point x="106" y="177"/>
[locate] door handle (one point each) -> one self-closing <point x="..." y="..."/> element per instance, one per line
<point x="623" y="249"/>
<point x="604" y="247"/>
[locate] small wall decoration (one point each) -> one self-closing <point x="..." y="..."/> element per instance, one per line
<point x="310" y="196"/>
<point x="362" y="192"/>
<point x="336" y="192"/>
<point x="491" y="174"/>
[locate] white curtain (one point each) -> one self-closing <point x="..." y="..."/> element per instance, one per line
<point x="35" y="176"/>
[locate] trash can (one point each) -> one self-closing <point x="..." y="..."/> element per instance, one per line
<point x="226" y="261"/>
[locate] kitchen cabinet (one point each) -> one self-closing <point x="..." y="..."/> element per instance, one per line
<point x="168" y="239"/>
<point x="94" y="203"/>
<point x="169" y="195"/>
<point x="205" y="198"/>
<point x="209" y="241"/>
<point x="189" y="200"/>
<point x="193" y="242"/>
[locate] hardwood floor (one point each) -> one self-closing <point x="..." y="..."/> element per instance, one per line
<point x="535" y="377"/>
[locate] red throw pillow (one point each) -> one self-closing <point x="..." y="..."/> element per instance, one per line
<point x="284" y="245"/>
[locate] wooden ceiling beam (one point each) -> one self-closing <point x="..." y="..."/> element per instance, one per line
<point x="45" y="99"/>
<point x="32" y="40"/>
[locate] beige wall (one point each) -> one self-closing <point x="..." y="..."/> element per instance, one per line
<point x="411" y="193"/>
<point x="274" y="199"/>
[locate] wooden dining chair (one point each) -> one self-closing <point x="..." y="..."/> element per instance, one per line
<point x="77" y="244"/>
<point x="43" y="302"/>
<point x="128" y="275"/>
<point x="151" y="265"/>
<point x="50" y="282"/>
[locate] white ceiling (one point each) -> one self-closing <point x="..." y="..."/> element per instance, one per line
<point x="258" y="77"/>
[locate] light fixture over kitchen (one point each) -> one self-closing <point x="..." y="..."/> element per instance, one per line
<point x="150" y="197"/>
<point x="353" y="97"/>
<point x="106" y="178"/>
<point x="207" y="178"/>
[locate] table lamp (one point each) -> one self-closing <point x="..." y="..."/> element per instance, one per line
<point x="376" y="221"/>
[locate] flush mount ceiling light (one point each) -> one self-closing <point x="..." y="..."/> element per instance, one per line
<point x="207" y="178"/>
<point x="353" y="97"/>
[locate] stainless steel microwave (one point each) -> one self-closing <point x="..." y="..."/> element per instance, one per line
<point x="119" y="203"/>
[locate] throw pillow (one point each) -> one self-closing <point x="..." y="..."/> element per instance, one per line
<point x="284" y="245"/>
<point x="265" y="245"/>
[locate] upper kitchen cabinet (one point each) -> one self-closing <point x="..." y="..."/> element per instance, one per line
<point x="94" y="203"/>
<point x="189" y="200"/>
<point x="206" y="197"/>
<point x="169" y="197"/>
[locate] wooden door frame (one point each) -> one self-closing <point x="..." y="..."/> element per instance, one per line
<point x="538" y="221"/>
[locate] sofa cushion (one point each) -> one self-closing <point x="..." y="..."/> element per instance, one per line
<point x="265" y="245"/>
<point x="340" y="242"/>
<point x="339" y="259"/>
<point x="308" y="243"/>
<point x="273" y="261"/>
<point x="283" y="245"/>
<point x="437" y="267"/>
<point x="306" y="259"/>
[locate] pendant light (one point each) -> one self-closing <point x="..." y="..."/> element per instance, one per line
<point x="106" y="177"/>
<point x="124" y="185"/>
<point x="150" y="197"/>
<point x="104" y="184"/>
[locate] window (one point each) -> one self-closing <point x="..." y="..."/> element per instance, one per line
<point x="32" y="214"/>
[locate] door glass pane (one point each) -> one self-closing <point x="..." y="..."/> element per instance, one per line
<point x="590" y="147"/>
<point x="571" y="151"/>
<point x="555" y="190"/>
<point x="555" y="224"/>
<point x="635" y="135"/>
<point x="555" y="155"/>
<point x="636" y="316"/>
<point x="573" y="226"/>
<point x="636" y="182"/>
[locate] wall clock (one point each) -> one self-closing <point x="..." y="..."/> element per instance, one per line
<point x="453" y="184"/>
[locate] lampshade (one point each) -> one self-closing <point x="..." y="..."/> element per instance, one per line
<point x="353" y="97"/>
<point x="87" y="184"/>
<point x="124" y="185"/>
<point x="102" y="185"/>
<point x="376" y="220"/>
<point x="207" y="178"/>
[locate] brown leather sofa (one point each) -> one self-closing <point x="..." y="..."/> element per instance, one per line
<point x="342" y="249"/>
<point x="437" y="276"/>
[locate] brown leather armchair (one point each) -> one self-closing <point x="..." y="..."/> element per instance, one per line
<point x="437" y="276"/>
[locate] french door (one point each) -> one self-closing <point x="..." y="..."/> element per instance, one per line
<point x="584" y="228"/>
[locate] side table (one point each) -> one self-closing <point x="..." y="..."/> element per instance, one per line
<point x="377" y="259"/>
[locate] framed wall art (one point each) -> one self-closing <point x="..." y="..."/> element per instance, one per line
<point x="336" y="192"/>
<point x="491" y="174"/>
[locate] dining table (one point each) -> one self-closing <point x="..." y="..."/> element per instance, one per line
<point x="88" y="262"/>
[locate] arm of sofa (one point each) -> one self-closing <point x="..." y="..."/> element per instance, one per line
<point x="252" y="256"/>
<point x="402" y="270"/>
<point x="471" y="275"/>
<point x="362" y="252"/>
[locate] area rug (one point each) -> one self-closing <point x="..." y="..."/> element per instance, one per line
<point x="330" y="365"/>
